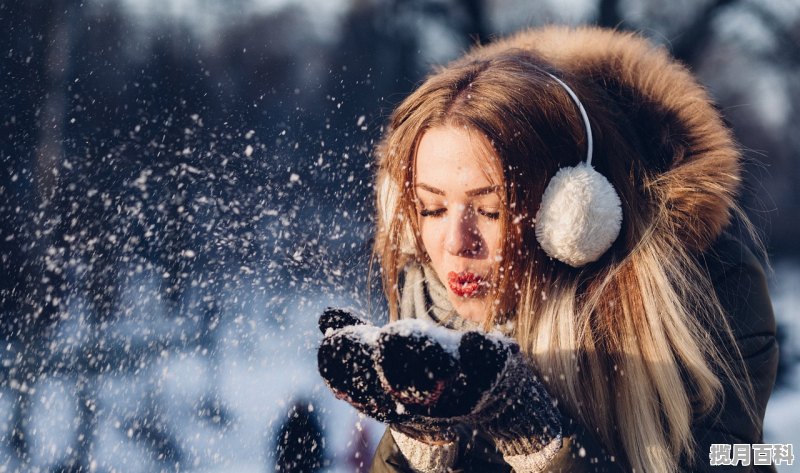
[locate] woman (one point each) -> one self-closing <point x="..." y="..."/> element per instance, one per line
<point x="573" y="189"/>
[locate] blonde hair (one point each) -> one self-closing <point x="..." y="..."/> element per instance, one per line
<point x="624" y="342"/>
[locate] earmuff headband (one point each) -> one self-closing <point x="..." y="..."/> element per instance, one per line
<point x="584" y="115"/>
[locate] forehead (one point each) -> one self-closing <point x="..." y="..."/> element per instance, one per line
<point x="455" y="157"/>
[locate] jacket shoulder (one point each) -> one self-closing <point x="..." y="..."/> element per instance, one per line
<point x="741" y="285"/>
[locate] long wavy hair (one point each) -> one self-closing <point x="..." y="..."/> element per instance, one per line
<point x="623" y="342"/>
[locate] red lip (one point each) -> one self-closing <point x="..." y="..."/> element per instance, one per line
<point x="465" y="283"/>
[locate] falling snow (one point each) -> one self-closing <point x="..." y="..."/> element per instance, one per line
<point x="179" y="205"/>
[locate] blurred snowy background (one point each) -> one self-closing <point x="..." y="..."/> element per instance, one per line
<point x="185" y="184"/>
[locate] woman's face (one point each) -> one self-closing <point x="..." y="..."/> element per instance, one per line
<point x="458" y="187"/>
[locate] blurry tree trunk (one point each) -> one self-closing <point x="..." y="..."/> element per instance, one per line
<point x="53" y="112"/>
<point x="80" y="458"/>
<point x="403" y="43"/>
<point x="31" y="292"/>
<point x="32" y="135"/>
<point x="695" y="38"/>
<point x="608" y="14"/>
<point x="19" y="431"/>
<point x="476" y="28"/>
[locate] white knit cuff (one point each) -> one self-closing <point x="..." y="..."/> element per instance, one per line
<point x="423" y="457"/>
<point x="534" y="462"/>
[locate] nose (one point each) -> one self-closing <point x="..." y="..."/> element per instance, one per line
<point x="463" y="237"/>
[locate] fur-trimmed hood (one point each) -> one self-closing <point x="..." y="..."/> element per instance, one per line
<point x="698" y="161"/>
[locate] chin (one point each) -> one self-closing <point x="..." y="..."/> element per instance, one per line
<point x="473" y="309"/>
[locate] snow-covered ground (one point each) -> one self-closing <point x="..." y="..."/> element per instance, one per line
<point x="782" y="420"/>
<point x="216" y="406"/>
<point x="184" y="405"/>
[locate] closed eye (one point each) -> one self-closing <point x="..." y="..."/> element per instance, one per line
<point x="431" y="212"/>
<point x="491" y="214"/>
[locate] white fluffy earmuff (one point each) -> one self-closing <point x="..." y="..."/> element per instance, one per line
<point x="580" y="215"/>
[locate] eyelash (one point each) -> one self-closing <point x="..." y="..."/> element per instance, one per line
<point x="431" y="213"/>
<point x="440" y="212"/>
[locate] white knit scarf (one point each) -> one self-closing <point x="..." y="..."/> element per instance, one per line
<point x="423" y="296"/>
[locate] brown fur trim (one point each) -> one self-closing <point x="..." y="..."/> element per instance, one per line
<point x="692" y="156"/>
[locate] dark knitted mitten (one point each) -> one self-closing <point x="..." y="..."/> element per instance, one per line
<point x="518" y="411"/>
<point x="424" y="379"/>
<point x="346" y="361"/>
<point x="420" y="366"/>
<point x="475" y="378"/>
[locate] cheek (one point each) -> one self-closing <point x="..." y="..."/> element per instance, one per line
<point x="493" y="239"/>
<point x="431" y="236"/>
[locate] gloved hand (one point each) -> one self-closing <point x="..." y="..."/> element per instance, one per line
<point x="424" y="379"/>
<point x="347" y="362"/>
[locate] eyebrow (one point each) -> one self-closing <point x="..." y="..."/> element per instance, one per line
<point x="470" y="193"/>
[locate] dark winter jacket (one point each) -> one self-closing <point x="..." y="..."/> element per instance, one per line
<point x="742" y="289"/>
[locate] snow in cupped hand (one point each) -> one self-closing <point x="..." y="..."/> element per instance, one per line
<point x="423" y="379"/>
